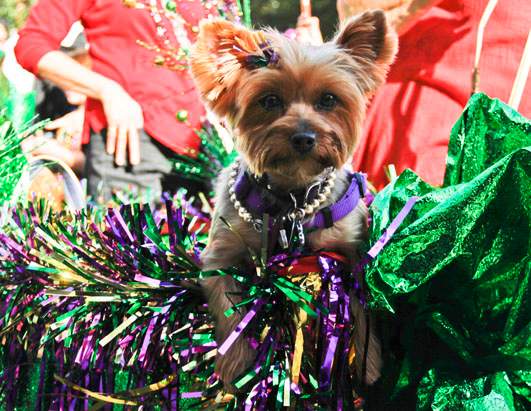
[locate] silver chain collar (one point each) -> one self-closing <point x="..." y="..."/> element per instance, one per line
<point x="299" y="213"/>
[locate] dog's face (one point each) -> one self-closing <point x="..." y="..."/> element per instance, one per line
<point x="302" y="109"/>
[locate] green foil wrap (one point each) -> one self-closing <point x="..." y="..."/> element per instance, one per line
<point x="453" y="284"/>
<point x="487" y="131"/>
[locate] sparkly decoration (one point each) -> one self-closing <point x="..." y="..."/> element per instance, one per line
<point x="173" y="53"/>
<point x="98" y="289"/>
<point x="106" y="291"/>
<point x="12" y="160"/>
<point x="159" y="60"/>
<point x="502" y="132"/>
<point x="209" y="162"/>
<point x="456" y="278"/>
<point x="169" y="54"/>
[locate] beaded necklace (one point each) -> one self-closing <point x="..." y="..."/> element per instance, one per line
<point x="168" y="54"/>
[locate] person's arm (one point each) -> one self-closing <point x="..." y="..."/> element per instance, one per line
<point x="47" y="25"/>
<point x="124" y="115"/>
<point x="308" y="27"/>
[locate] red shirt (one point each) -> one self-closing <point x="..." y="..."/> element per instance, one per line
<point x="409" y="121"/>
<point x="112" y="31"/>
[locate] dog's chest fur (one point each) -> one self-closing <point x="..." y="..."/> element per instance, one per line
<point x="230" y="245"/>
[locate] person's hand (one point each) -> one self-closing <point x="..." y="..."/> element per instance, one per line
<point x="124" y="119"/>
<point x="68" y="129"/>
<point x="309" y="30"/>
<point x="40" y="145"/>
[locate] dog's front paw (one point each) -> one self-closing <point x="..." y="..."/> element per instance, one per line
<point x="236" y="360"/>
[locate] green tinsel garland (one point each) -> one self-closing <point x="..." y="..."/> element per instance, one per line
<point x="212" y="158"/>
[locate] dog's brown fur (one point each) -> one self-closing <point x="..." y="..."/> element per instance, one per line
<point x="350" y="67"/>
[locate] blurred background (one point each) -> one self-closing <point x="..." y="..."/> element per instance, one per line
<point x="276" y="13"/>
<point x="14" y="12"/>
<point x="436" y="70"/>
<point x="25" y="98"/>
<point x="283" y="14"/>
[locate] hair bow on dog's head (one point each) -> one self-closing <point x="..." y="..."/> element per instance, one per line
<point x="250" y="51"/>
<point x="221" y="52"/>
<point x="267" y="57"/>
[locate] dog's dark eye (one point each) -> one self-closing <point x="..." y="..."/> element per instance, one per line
<point x="327" y="102"/>
<point x="271" y="102"/>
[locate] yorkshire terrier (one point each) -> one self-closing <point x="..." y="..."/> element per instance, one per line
<point x="296" y="112"/>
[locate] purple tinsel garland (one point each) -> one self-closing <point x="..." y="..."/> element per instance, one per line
<point x="94" y="296"/>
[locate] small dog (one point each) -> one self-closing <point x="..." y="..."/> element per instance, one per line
<point x="296" y="112"/>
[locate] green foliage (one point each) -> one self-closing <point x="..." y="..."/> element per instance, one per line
<point x="283" y="14"/>
<point x="15" y="11"/>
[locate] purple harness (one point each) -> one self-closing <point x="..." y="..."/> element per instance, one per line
<point x="259" y="200"/>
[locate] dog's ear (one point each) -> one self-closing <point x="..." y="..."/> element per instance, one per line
<point x="218" y="59"/>
<point x="373" y="44"/>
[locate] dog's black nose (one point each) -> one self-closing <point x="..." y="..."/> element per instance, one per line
<point x="303" y="142"/>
